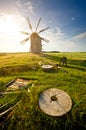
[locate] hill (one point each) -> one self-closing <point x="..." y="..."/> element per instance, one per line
<point x="27" y="114"/>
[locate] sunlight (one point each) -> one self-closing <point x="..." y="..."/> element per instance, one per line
<point x="8" y="25"/>
<point x="10" y="36"/>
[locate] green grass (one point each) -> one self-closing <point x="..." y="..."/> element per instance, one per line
<point x="27" y="115"/>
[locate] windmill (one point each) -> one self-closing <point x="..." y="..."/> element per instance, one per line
<point x="35" y="39"/>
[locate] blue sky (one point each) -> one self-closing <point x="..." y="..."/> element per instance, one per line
<point x="66" y="19"/>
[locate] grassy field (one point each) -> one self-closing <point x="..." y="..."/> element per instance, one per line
<point x="27" y="115"/>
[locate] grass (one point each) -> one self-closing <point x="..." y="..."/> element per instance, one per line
<point x="70" y="78"/>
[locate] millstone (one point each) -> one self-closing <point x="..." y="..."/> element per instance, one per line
<point x="55" y="102"/>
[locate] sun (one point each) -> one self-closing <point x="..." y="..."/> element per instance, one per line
<point x="9" y="25"/>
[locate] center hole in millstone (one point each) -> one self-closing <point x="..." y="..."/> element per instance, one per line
<point x="53" y="98"/>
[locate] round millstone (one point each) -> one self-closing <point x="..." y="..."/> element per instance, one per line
<point x="55" y="102"/>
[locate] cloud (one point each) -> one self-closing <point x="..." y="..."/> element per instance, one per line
<point x="70" y="44"/>
<point x="80" y="36"/>
<point x="58" y="32"/>
<point x="53" y="35"/>
<point x="29" y="7"/>
<point x="73" y="18"/>
<point x="57" y="41"/>
<point x="18" y="3"/>
<point x="26" y="7"/>
<point x="50" y="21"/>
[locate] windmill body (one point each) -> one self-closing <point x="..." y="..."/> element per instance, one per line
<point x="35" y="39"/>
<point x="35" y="46"/>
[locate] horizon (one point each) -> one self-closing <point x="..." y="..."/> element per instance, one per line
<point x="44" y="52"/>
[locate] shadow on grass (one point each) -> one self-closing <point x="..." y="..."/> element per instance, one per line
<point x="76" y="67"/>
<point x="75" y="64"/>
<point x="51" y="57"/>
<point x="81" y="63"/>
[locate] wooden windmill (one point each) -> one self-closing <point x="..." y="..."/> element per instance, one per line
<point x="35" y="39"/>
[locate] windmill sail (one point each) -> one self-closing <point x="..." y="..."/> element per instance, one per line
<point x="44" y="39"/>
<point x="43" y="30"/>
<point x="38" y="24"/>
<point x="35" y="39"/>
<point x="24" y="32"/>
<point x="30" y="26"/>
<point x="25" y="40"/>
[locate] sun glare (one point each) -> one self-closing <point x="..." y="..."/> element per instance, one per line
<point x="9" y="25"/>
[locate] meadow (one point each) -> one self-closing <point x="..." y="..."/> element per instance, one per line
<point x="27" y="114"/>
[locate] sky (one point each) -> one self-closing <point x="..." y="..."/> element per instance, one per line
<point x="66" y="19"/>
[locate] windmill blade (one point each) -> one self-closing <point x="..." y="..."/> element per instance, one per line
<point x="25" y="40"/>
<point x="43" y="30"/>
<point x="44" y="39"/>
<point x="38" y="24"/>
<point x="24" y="32"/>
<point x="29" y="23"/>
